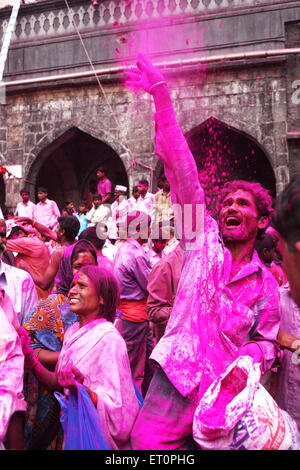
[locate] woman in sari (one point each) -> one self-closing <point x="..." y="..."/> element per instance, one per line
<point x="95" y="354"/>
<point x="46" y="325"/>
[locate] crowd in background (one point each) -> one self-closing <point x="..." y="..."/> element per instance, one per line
<point x="107" y="295"/>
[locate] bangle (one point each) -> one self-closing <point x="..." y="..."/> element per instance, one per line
<point x="156" y="84"/>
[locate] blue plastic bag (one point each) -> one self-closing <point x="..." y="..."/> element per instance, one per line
<point x="80" y="422"/>
<point x="138" y="395"/>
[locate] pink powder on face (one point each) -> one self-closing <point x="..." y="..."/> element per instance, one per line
<point x="231" y="386"/>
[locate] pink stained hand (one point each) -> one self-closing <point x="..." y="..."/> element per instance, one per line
<point x="252" y="350"/>
<point x="144" y="76"/>
<point x="68" y="377"/>
<point x="24" y="337"/>
<point x="30" y="358"/>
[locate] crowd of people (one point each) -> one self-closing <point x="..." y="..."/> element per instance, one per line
<point x="146" y="301"/>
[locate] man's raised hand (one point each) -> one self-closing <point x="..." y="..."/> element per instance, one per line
<point x="144" y="76"/>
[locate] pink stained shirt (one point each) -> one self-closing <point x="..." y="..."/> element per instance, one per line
<point x="11" y="375"/>
<point x="211" y="317"/>
<point x="288" y="374"/>
<point x="25" y="210"/>
<point x="46" y="213"/>
<point x="35" y="253"/>
<point x="104" y="187"/>
<point x="99" y="352"/>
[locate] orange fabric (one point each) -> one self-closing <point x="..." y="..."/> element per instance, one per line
<point x="134" y="310"/>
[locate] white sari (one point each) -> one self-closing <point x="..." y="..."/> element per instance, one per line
<point x="99" y="352"/>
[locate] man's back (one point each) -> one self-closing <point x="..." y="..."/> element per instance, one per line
<point x="35" y="253"/>
<point x="132" y="268"/>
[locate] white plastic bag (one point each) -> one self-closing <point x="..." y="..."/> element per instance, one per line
<point x="237" y="412"/>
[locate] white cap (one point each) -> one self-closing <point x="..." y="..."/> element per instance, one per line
<point x="10" y="224"/>
<point x="120" y="188"/>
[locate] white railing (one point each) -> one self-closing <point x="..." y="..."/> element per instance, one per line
<point x="59" y="21"/>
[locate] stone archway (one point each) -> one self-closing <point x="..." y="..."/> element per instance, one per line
<point x="223" y="153"/>
<point x="67" y="165"/>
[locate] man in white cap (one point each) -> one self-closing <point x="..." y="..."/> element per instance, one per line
<point x="119" y="211"/>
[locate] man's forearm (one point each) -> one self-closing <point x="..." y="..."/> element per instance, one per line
<point x="287" y="341"/>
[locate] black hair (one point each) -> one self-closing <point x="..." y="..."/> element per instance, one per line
<point x="16" y="229"/>
<point x="82" y="246"/>
<point x="70" y="225"/>
<point x="266" y="241"/>
<point x="42" y="189"/>
<point x="286" y="219"/>
<point x="24" y="190"/>
<point x="90" y="234"/>
<point x="145" y="182"/>
<point x="97" y="196"/>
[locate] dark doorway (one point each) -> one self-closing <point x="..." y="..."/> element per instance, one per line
<point x="223" y="153"/>
<point x="67" y="167"/>
<point x="2" y="195"/>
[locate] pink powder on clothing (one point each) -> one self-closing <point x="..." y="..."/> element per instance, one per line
<point x="231" y="386"/>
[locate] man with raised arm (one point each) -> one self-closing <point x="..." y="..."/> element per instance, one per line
<point x="226" y="303"/>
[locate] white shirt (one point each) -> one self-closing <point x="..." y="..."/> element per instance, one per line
<point x="145" y="204"/>
<point x="25" y="210"/>
<point x="109" y="250"/>
<point x="132" y="204"/>
<point x="119" y="211"/>
<point x="19" y="286"/>
<point x="101" y="214"/>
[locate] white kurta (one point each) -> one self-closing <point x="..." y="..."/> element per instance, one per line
<point x="11" y="374"/>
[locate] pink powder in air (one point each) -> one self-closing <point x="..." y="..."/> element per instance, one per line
<point x="231" y="386"/>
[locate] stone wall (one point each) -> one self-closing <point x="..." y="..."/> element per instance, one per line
<point x="251" y="100"/>
<point x="252" y="96"/>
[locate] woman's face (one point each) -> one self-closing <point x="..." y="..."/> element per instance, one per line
<point x="83" y="298"/>
<point x="83" y="258"/>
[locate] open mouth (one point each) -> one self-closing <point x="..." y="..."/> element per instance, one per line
<point x="232" y="221"/>
<point x="73" y="301"/>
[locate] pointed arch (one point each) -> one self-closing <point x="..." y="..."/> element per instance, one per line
<point x="66" y="162"/>
<point x="223" y="153"/>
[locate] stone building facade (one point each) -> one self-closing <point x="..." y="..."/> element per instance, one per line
<point x="240" y="112"/>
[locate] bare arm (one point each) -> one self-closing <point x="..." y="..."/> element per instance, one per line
<point x="47" y="378"/>
<point x="106" y="198"/>
<point x="288" y="341"/>
<point x="45" y="282"/>
<point x="48" y="358"/>
<point x="42" y="229"/>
